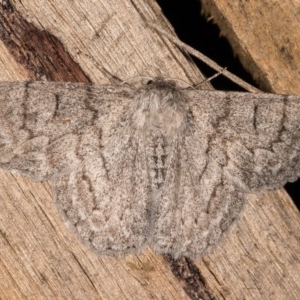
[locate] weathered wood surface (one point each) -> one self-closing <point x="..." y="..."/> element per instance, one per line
<point x="39" y="257"/>
<point x="266" y="37"/>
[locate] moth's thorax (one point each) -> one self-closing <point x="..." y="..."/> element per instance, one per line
<point x="160" y="104"/>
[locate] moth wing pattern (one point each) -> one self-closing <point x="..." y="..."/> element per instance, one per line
<point x="60" y="131"/>
<point x="158" y="166"/>
<point x="197" y="205"/>
<point x="255" y="137"/>
<point x="107" y="201"/>
<point x="236" y="143"/>
<point x="47" y="115"/>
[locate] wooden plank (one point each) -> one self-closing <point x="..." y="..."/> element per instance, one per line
<point x="265" y="35"/>
<point x="40" y="258"/>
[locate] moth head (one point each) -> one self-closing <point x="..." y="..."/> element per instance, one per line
<point x="160" y="103"/>
<point x="161" y="83"/>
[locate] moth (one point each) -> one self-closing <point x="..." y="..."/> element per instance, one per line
<point x="149" y="165"/>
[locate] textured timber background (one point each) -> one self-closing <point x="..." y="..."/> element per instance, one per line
<point x="71" y="41"/>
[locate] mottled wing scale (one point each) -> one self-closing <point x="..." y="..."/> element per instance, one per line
<point x="153" y="166"/>
<point x="55" y="131"/>
<point x="235" y="143"/>
<point x="39" y="122"/>
<point x="259" y="136"/>
<point x="198" y="203"/>
<point x="108" y="204"/>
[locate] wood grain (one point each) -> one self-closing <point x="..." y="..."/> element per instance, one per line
<point x="40" y="258"/>
<point x="266" y="37"/>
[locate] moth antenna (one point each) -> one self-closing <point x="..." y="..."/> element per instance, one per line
<point x="112" y="78"/>
<point x="137" y="78"/>
<point x="164" y="77"/>
<point x="210" y="78"/>
<point x="206" y="60"/>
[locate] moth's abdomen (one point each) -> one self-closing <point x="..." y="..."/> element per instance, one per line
<point x="157" y="160"/>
